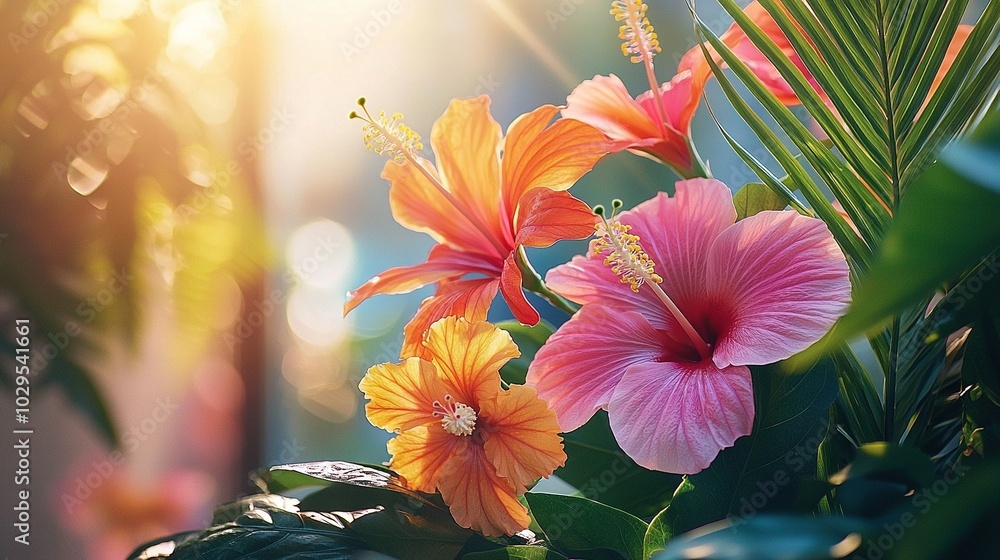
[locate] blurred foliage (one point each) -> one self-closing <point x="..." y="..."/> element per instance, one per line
<point x="111" y="182"/>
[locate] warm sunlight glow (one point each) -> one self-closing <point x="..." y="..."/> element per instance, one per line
<point x="196" y="33"/>
<point x="117" y="9"/>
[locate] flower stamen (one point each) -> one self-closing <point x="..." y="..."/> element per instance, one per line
<point x="641" y="45"/>
<point x="629" y="261"/>
<point x="456" y="418"/>
<point x="388" y="136"/>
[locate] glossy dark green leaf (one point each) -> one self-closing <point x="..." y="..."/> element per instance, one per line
<point x="516" y="553"/>
<point x="231" y="511"/>
<point x="601" y="471"/>
<point x="582" y="528"/>
<point x="162" y="547"/>
<point x="407" y="535"/>
<point x="528" y="340"/>
<point x="344" y="486"/>
<point x="273" y="534"/>
<point x="767" y="537"/>
<point x="760" y="472"/>
<point x="754" y="198"/>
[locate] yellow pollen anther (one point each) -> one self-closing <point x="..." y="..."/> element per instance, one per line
<point x="635" y="267"/>
<point x="456" y="418"/>
<point x="626" y="257"/>
<point x="640" y="43"/>
<point x="388" y="136"/>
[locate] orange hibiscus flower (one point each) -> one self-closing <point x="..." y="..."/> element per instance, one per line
<point x="461" y="434"/>
<point x="479" y="207"/>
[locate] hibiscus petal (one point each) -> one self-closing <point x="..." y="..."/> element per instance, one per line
<point x="478" y="498"/>
<point x="678" y="232"/>
<point x="469" y="356"/>
<point x="587" y="280"/>
<point x="578" y="367"/>
<point x="419" y="455"/>
<point x="401" y="396"/>
<point x="780" y="282"/>
<point x="676" y="417"/>
<point x="522" y="436"/>
<point x="546" y="216"/>
<point x="513" y="294"/>
<point x="680" y="98"/>
<point x="605" y="103"/>
<point x="736" y="39"/>
<point x="469" y="299"/>
<point x="419" y="206"/>
<point x="442" y="263"/>
<point x="553" y="157"/>
<point x="466" y="142"/>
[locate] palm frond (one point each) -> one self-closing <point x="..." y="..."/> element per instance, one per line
<point x="889" y="110"/>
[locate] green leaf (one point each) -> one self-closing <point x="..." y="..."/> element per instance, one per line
<point x="408" y="535"/>
<point x="766" y="537"/>
<point x="880" y="478"/>
<point x="754" y="198"/>
<point x="162" y="547"/>
<point x="958" y="518"/>
<point x="350" y="486"/>
<point x="522" y="552"/>
<point x="231" y="511"/>
<point x="84" y="395"/>
<point x="272" y="533"/>
<point x="945" y="225"/>
<point x="760" y="471"/>
<point x="601" y="471"/>
<point x="658" y="533"/>
<point x="583" y="528"/>
<point x="529" y="340"/>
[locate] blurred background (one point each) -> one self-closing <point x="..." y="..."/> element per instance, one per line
<point x="184" y="205"/>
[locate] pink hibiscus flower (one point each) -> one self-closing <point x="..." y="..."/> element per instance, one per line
<point x="657" y="123"/>
<point x="667" y="356"/>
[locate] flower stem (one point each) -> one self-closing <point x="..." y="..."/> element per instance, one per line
<point x="531" y="281"/>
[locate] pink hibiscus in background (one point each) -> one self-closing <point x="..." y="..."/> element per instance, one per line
<point x="634" y="124"/>
<point x="675" y="382"/>
<point x="736" y="39"/>
<point x="657" y="123"/>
